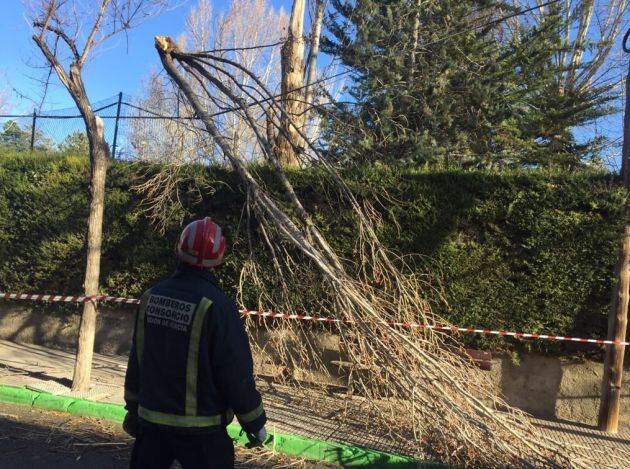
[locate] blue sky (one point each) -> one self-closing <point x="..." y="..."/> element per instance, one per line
<point x="120" y="66"/>
<point x="123" y="64"/>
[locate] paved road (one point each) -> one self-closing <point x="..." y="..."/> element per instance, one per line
<point x="50" y="370"/>
<point x="36" y="439"/>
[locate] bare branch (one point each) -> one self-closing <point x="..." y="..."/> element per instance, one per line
<point x="44" y="24"/>
<point x="61" y="34"/>
<point x="95" y="28"/>
<point x="586" y="14"/>
<point x="52" y="60"/>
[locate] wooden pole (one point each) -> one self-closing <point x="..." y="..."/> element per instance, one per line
<point x="608" y="420"/>
<point x="617" y="325"/>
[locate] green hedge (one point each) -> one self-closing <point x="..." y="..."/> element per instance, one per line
<point x="529" y="251"/>
<point x="522" y="251"/>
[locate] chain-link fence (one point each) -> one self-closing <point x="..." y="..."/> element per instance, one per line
<point x="132" y="131"/>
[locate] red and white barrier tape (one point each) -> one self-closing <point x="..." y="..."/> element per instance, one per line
<point x="302" y="317"/>
<point x="68" y="299"/>
<point x="438" y="327"/>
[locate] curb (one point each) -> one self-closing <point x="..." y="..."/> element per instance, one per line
<point x="292" y="445"/>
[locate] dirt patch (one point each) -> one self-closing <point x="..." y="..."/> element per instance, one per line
<point x="37" y="439"/>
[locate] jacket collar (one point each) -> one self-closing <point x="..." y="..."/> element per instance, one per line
<point x="206" y="274"/>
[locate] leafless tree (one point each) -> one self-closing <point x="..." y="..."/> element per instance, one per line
<point x="248" y="32"/>
<point x="68" y="33"/>
<point x="589" y="32"/>
<point x="166" y="131"/>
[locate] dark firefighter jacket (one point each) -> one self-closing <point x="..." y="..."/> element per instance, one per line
<point x="190" y="365"/>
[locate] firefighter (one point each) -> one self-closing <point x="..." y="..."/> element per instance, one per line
<point x="190" y="368"/>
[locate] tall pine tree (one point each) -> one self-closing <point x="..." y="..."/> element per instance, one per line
<point x="444" y="81"/>
<point x="425" y="83"/>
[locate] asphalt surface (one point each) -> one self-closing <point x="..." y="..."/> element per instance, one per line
<point x="33" y="439"/>
<point x="37" y="439"/>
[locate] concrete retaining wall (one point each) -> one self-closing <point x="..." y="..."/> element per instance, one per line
<point x="19" y="323"/>
<point x="564" y="388"/>
<point x="547" y="387"/>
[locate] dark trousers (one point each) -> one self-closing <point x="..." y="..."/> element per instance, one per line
<point x="157" y="449"/>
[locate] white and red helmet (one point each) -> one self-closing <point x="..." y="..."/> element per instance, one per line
<point x="201" y="244"/>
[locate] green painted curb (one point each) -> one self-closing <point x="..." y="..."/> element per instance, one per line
<point x="293" y="445"/>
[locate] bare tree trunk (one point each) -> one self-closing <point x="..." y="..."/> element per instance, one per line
<point x="292" y="59"/>
<point x="99" y="154"/>
<point x="316" y="32"/>
<point x="416" y="36"/>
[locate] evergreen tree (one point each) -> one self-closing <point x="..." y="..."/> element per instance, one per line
<point x="14" y="137"/>
<point x="425" y="82"/>
<point x="445" y="81"/>
<point x="76" y="142"/>
<point x="19" y="138"/>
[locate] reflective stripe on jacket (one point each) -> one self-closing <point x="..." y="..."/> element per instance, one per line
<point x="190" y="365"/>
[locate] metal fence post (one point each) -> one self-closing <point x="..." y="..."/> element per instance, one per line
<point x="33" y="129"/>
<point x="116" y="124"/>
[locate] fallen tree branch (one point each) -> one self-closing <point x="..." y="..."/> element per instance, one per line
<point x="413" y="387"/>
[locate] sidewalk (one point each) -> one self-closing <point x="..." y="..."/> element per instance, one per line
<point x="44" y="369"/>
<point x="49" y="370"/>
